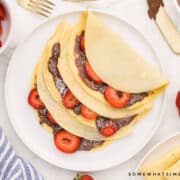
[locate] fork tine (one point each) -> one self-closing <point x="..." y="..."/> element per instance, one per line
<point x="39" y="3"/>
<point x="39" y="10"/>
<point x="39" y="7"/>
<point x="48" y="2"/>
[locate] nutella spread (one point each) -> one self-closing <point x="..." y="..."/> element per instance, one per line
<point x="154" y="6"/>
<point x="120" y="123"/>
<point x="85" y="145"/>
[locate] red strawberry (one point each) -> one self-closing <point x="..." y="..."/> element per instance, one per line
<point x="86" y="177"/>
<point x="66" y="142"/>
<point x="178" y="100"/>
<point x="82" y="46"/>
<point x="49" y="116"/>
<point x="1" y="30"/>
<point x="70" y="100"/>
<point x="115" y="98"/>
<point x="108" y="131"/>
<point x="83" y="177"/>
<point x="87" y="113"/>
<point x="0" y="43"/>
<point x="2" y="12"/>
<point x="34" y="99"/>
<point x="91" y="73"/>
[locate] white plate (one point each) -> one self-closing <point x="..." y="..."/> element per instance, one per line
<point x="39" y="140"/>
<point x="159" y="149"/>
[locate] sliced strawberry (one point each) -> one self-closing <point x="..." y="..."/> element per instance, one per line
<point x="107" y="127"/>
<point x="108" y="131"/>
<point x="66" y="142"/>
<point x="115" y="98"/>
<point x="1" y="30"/>
<point x="178" y="99"/>
<point x="87" y="113"/>
<point x="2" y="12"/>
<point x="34" y="99"/>
<point x="82" y="44"/>
<point x="0" y="43"/>
<point x="87" y="177"/>
<point x="91" y="73"/>
<point x="49" y="116"/>
<point x="69" y="100"/>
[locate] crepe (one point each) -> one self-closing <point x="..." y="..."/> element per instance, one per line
<point x="161" y="164"/>
<point x="48" y="92"/>
<point x="79" y="88"/>
<point x="116" y="62"/>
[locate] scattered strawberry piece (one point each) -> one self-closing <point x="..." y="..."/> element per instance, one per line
<point x="178" y="101"/>
<point x="87" y="113"/>
<point x="116" y="100"/>
<point x="82" y="45"/>
<point x="91" y="73"/>
<point x="1" y="30"/>
<point x="49" y="116"/>
<point x="83" y="177"/>
<point x="2" y="12"/>
<point x="34" y="99"/>
<point x="66" y="142"/>
<point x="86" y="177"/>
<point x="70" y="100"/>
<point x="0" y="43"/>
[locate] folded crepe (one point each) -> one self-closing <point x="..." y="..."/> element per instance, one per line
<point x="161" y="164"/>
<point x="115" y="62"/>
<point x="48" y="88"/>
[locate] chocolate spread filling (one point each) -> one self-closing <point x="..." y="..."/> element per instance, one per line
<point x="100" y="121"/>
<point x="80" y="60"/>
<point x="44" y="119"/>
<point x="154" y="6"/>
<point x="62" y="88"/>
<point x="52" y="66"/>
<point x="119" y="123"/>
<point x="85" y="145"/>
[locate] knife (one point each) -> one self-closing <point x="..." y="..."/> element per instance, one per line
<point x="157" y="12"/>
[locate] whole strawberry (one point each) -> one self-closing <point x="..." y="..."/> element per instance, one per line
<point x="83" y="177"/>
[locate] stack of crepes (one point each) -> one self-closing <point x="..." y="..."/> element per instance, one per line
<point x="90" y="84"/>
<point x="164" y="167"/>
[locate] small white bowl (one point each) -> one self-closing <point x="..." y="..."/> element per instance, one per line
<point x="6" y="26"/>
<point x="177" y="6"/>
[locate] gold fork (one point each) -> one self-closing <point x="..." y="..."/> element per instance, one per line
<point x="41" y="7"/>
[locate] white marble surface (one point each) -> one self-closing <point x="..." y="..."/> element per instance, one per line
<point x="133" y="11"/>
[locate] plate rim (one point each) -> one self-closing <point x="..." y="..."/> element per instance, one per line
<point x="150" y="151"/>
<point x="106" y="166"/>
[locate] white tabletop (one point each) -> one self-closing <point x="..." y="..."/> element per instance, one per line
<point x="133" y="11"/>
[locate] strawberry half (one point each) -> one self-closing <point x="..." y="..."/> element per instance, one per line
<point x="178" y="101"/>
<point x="34" y="99"/>
<point x="66" y="142"/>
<point x="69" y="100"/>
<point x="82" y="46"/>
<point x="87" y="113"/>
<point x="50" y="117"/>
<point x="2" y="12"/>
<point x="115" y="98"/>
